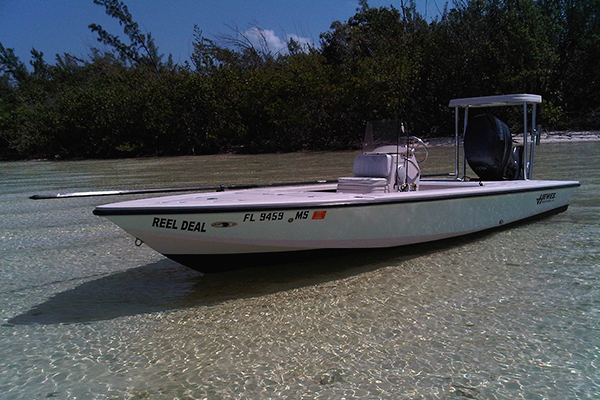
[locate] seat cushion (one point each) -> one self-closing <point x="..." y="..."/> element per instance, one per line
<point x="362" y="185"/>
<point x="372" y="165"/>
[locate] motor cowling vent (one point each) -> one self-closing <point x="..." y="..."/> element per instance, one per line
<point x="488" y="149"/>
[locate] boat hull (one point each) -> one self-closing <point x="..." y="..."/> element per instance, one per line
<point x="215" y="237"/>
<point x="211" y="263"/>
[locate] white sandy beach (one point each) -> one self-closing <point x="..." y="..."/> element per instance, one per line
<point x="554" y="137"/>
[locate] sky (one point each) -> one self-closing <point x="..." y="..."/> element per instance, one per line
<point x="61" y="26"/>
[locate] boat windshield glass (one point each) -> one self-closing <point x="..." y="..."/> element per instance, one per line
<point x="383" y="133"/>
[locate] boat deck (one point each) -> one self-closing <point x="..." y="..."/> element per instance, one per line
<point x="319" y="196"/>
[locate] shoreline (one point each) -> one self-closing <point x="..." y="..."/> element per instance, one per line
<point x="548" y="137"/>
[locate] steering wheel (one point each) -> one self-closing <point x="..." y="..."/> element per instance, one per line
<point x="421" y="152"/>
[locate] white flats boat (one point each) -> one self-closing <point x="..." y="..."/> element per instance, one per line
<point x="385" y="203"/>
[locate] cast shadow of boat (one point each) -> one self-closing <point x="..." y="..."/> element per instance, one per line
<point x="166" y="285"/>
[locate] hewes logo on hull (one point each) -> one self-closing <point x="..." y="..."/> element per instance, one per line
<point x="546" y="198"/>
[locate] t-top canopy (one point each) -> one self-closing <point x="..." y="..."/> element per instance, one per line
<point x="495" y="101"/>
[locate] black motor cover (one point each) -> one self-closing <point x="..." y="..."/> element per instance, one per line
<point x="488" y="149"/>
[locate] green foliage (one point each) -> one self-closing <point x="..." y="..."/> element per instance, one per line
<point x="382" y="63"/>
<point x="142" y="50"/>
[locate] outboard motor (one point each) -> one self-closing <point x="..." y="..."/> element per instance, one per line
<point x="488" y="149"/>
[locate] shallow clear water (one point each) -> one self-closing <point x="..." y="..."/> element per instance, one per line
<point x="86" y="314"/>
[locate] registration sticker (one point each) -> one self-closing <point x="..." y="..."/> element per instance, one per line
<point x="319" y="215"/>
